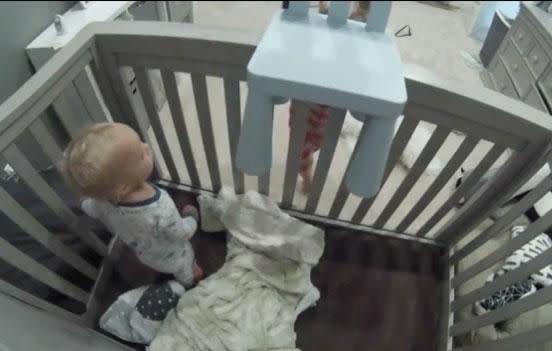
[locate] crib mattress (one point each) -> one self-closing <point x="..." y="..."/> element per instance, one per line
<point x="374" y="291"/>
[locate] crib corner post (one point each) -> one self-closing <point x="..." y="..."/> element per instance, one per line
<point x="447" y="296"/>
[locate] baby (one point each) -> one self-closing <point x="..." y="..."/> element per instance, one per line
<point x="109" y="165"/>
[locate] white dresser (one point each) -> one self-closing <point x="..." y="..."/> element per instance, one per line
<point x="521" y="67"/>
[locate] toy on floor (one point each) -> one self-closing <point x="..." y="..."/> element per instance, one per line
<point x="326" y="60"/>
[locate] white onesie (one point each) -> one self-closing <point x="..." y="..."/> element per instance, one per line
<point x="154" y="229"/>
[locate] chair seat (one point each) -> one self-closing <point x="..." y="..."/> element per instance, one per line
<point x="345" y="67"/>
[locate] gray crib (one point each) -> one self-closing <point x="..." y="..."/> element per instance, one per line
<point x="466" y="124"/>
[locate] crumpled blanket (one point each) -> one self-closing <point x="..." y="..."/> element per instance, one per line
<point x="252" y="302"/>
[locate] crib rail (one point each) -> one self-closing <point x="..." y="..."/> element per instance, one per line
<point x="202" y="72"/>
<point x="484" y="251"/>
<point x="433" y="104"/>
<point x="35" y="254"/>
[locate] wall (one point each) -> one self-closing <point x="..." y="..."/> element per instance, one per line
<point x="20" y="23"/>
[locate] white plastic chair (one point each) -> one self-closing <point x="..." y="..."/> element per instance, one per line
<point x="329" y="60"/>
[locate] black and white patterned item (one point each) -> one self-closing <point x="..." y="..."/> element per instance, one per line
<point x="507" y="295"/>
<point x="521" y="289"/>
<point x="529" y="251"/>
<point x="157" y="301"/>
<point x="137" y="314"/>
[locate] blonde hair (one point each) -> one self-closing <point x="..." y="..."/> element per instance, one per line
<point x="90" y="166"/>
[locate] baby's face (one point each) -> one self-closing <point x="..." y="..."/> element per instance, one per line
<point x="134" y="155"/>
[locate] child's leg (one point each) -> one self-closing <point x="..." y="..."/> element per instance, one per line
<point x="305" y="171"/>
<point x="323" y="7"/>
<point x="360" y="12"/>
<point x="198" y="273"/>
<point x="185" y="268"/>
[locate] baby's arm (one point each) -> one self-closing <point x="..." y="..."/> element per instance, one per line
<point x="185" y="225"/>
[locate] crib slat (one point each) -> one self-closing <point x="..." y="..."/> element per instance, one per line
<point x="452" y="165"/>
<point x="121" y="101"/>
<point x="31" y="108"/>
<point x="40" y="187"/>
<point x="66" y="116"/>
<point x="446" y="318"/>
<point x="93" y="305"/>
<point x="489" y="159"/>
<point x="101" y="72"/>
<point x="327" y="151"/>
<point x="18" y="259"/>
<point x="173" y="99"/>
<point x="430" y="149"/>
<point x="89" y="96"/>
<point x="512" y="309"/>
<point x="146" y="91"/>
<point x="340" y="198"/>
<point x="515" y="211"/>
<point x="263" y="184"/>
<point x="30" y="299"/>
<point x="532" y="231"/>
<point x="180" y="64"/>
<point x="447" y="116"/>
<point x="233" y="115"/>
<point x="512" y="276"/>
<point x="199" y="85"/>
<point x="108" y="76"/>
<point x="33" y="228"/>
<point x="298" y="130"/>
<point x="487" y="196"/>
<point x="400" y="141"/>
<point x="522" y="341"/>
<point x="46" y="141"/>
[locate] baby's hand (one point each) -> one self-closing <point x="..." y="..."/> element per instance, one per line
<point x="190" y="211"/>
<point x="198" y="273"/>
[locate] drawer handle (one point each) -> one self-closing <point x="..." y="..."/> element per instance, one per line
<point x="516" y="67"/>
<point x="535" y="59"/>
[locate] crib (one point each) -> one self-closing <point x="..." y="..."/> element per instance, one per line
<point x="466" y="124"/>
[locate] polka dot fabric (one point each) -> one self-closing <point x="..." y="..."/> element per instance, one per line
<point x="157" y="301"/>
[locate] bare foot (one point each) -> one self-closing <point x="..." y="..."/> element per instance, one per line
<point x="198" y="273"/>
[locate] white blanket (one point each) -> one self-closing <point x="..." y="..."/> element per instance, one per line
<point x="252" y="302"/>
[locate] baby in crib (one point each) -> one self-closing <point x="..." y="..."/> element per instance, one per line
<point x="109" y="165"/>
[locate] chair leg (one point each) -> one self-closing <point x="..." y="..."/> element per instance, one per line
<point x="368" y="161"/>
<point x="279" y="100"/>
<point x="254" y="156"/>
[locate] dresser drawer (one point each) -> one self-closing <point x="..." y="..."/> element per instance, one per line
<point x="545" y="83"/>
<point x="502" y="81"/>
<point x="523" y="38"/>
<point x="518" y="70"/>
<point x="534" y="99"/>
<point x="538" y="60"/>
